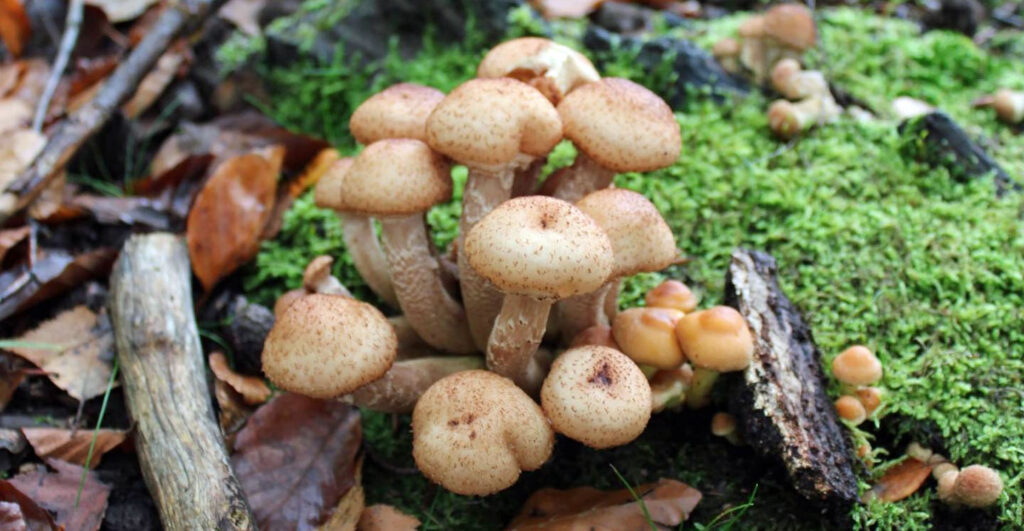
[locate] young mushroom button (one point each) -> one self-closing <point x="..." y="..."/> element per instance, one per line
<point x="325" y="346"/>
<point x="857" y="366"/>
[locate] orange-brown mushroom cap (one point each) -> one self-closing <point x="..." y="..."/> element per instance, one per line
<point x="977" y="486"/>
<point x="399" y="111"/>
<point x="553" y="69"/>
<point x="327" y="192"/>
<point x="396" y="177"/>
<point x="791" y="25"/>
<point x="647" y="335"/>
<point x="672" y="294"/>
<point x="857" y="366"/>
<point x="717" y="339"/>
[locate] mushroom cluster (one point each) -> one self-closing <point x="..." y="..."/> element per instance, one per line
<point x="808" y="99"/>
<point x="858" y="369"/>
<point x="974" y="486"/>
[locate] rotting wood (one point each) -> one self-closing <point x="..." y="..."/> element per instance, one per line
<point x="181" y="449"/>
<point x="780" y="399"/>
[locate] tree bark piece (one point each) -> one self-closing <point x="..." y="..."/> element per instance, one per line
<point x="181" y="450"/>
<point x="780" y="399"/>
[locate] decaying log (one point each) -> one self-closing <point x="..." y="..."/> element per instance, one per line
<point x="181" y="451"/>
<point x="780" y="400"/>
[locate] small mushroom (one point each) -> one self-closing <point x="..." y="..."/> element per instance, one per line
<point x="752" y="48"/>
<point x="399" y="111"/>
<point x="648" y="336"/>
<point x="905" y="107"/>
<point x="536" y="250"/>
<point x="724" y="425"/>
<point x="285" y="300"/>
<point x="597" y="396"/>
<point x="870" y="398"/>
<point x="669" y="388"/>
<point x="857" y="366"/>
<point x="1008" y="104"/>
<point x="796" y="84"/>
<point x="919" y="452"/>
<point x="325" y="346"/>
<point x="317" y="278"/>
<point x="714" y="340"/>
<point x="399" y="389"/>
<point x="941" y="469"/>
<point x="945" y="490"/>
<point x="727" y="53"/>
<point x="474" y="432"/>
<point x="553" y="69"/>
<point x="787" y="119"/>
<point x="850" y="409"/>
<point x="672" y="294"/>
<point x="788" y="32"/>
<point x="977" y="486"/>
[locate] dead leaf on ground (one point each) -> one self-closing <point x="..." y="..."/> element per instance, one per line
<point x="48" y="206"/>
<point x="350" y="508"/>
<point x="73" y="446"/>
<point x="11" y="376"/>
<point x="11" y="237"/>
<point x="19" y="512"/>
<point x="79" y="361"/>
<point x="56" y="492"/>
<point x="122" y="10"/>
<point x="296" y="458"/>
<point x="15" y="29"/>
<point x="244" y="14"/>
<point x="52" y="273"/>
<point x="232" y="413"/>
<point x="159" y="78"/>
<point x="551" y="9"/>
<point x="253" y="390"/>
<point x="381" y="517"/>
<point x="900" y="481"/>
<point x="668" y="501"/>
<point x="17" y="152"/>
<point x="230" y="212"/>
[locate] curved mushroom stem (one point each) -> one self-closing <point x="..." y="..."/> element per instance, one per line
<point x="399" y="389"/>
<point x="416" y="276"/>
<point x="517" y="333"/>
<point x="580" y="312"/>
<point x="699" y="393"/>
<point x="584" y="176"/>
<point x="361" y="242"/>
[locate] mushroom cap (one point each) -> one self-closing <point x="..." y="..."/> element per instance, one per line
<point x="399" y="111"/>
<point x="870" y="398"/>
<point x="621" y="125"/>
<point x="946" y="483"/>
<point x="326" y="346"/>
<point x="316" y="272"/>
<point x="647" y="335"/>
<point x="782" y="74"/>
<point x="327" y="193"/>
<point x="792" y="25"/>
<point x="1009" y="105"/>
<point x="717" y="339"/>
<point x="595" y="335"/>
<point x="396" y="177"/>
<point x="857" y="366"/>
<point x="474" y="431"/>
<point x="286" y="299"/>
<point x="597" y="396"/>
<point x="751" y="28"/>
<point x="977" y="486"/>
<point x="641" y="240"/>
<point x="553" y="69"/>
<point x="672" y="294"/>
<point x="723" y="424"/>
<point x="849" y="408"/>
<point x="540" y="247"/>
<point x="487" y="122"/>
<point x="727" y="47"/>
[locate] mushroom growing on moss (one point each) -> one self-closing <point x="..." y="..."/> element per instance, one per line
<point x="715" y="340"/>
<point x="857" y="365"/>
<point x="850" y="409"/>
<point x="787" y="119"/>
<point x="399" y="111"/>
<point x="474" y="432"/>
<point x="672" y="294"/>
<point x="1008" y="104"/>
<point x="977" y="486"/>
<point x="727" y="53"/>
<point x="796" y="84"/>
<point x="788" y="32"/>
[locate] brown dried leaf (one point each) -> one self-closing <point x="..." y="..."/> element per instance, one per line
<point x="230" y="212"/>
<point x="244" y="14"/>
<point x="158" y="79"/>
<point x="19" y="148"/>
<point x="15" y="29"/>
<point x="9" y="382"/>
<point x="34" y="74"/>
<point x="56" y="492"/>
<point x="253" y="390"/>
<point x="53" y="273"/>
<point x="296" y="458"/>
<point x="83" y="345"/>
<point x="382" y="517"/>
<point x="73" y="446"/>
<point x="11" y="237"/>
<point x="349" y="509"/>
<point x="19" y="512"/>
<point x="668" y="501"/>
<point x="900" y="481"/>
<point x="122" y="10"/>
<point x="49" y="203"/>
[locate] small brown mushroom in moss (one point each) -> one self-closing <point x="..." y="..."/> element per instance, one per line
<point x="796" y="84"/>
<point x="977" y="486"/>
<point x="788" y="32"/>
<point x="945" y="491"/>
<point x="870" y="398"/>
<point x="715" y="340"/>
<point x="850" y="409"/>
<point x="317" y="278"/>
<point x="857" y="365"/>
<point x="727" y="53"/>
<point x="724" y="425"/>
<point x="1008" y="104"/>
<point x="787" y="119"/>
<point x="941" y="469"/>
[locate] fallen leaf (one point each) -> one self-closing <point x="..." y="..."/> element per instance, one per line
<point x="11" y="376"/>
<point x="551" y="9"/>
<point x="133" y="211"/>
<point x="900" y="481"/>
<point x="15" y="115"/>
<point x="34" y="74"/>
<point x="11" y="237"/>
<point x="313" y="171"/>
<point x="169" y="178"/>
<point x="296" y="458"/>
<point x="52" y="273"/>
<point x="48" y="205"/>
<point x="158" y="79"/>
<point x="244" y="14"/>
<point x="122" y="10"/>
<point x="381" y="517"/>
<point x="253" y="390"/>
<point x="73" y="446"/>
<point x="19" y="512"/>
<point x="15" y="29"/>
<point x="232" y="413"/>
<point x="57" y="491"/>
<point x="18" y="150"/>
<point x="668" y="502"/>
<point x="350" y="508"/>
<point x="82" y="347"/>
<point x="229" y="214"/>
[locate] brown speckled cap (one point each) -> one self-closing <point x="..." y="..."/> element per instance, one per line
<point x="474" y="432"/>
<point x="621" y="125"/>
<point x="326" y="346"/>
<point x="486" y="122"/>
<point x="399" y="111"/>
<point x="640" y="237"/>
<point x="327" y="193"/>
<point x="540" y="247"/>
<point x="553" y="69"/>
<point x="791" y="25"/>
<point x="977" y="486"/>
<point x="396" y="177"/>
<point x="596" y="395"/>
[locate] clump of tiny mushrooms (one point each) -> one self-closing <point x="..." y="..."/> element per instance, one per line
<point x="513" y="334"/>
<point x="974" y="486"/>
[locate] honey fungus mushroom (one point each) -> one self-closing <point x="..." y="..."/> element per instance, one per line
<point x="715" y="340"/>
<point x="1008" y="104"/>
<point x="672" y="294"/>
<point x="597" y="396"/>
<point x="857" y="365"/>
<point x="648" y="336"/>
<point x="474" y="432"/>
<point x="551" y="68"/>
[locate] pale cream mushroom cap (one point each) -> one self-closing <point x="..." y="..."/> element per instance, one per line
<point x="726" y="47"/>
<point x="977" y="486"/>
<point x="475" y="431"/>
<point x="553" y="69"/>
<point x="327" y="193"/>
<point x="751" y="28"/>
<point x="857" y="366"/>
<point x="717" y="339"/>
<point x="946" y="482"/>
<point x="396" y="177"/>
<point x="326" y="346"/>
<point x="399" y="111"/>
<point x="647" y="336"/>
<point x="641" y="240"/>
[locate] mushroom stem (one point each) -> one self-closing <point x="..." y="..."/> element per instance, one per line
<point x="584" y="176"/>
<point x="513" y="343"/>
<point x="525" y="181"/>
<point x="611" y="299"/>
<point x="399" y="389"/>
<point x="407" y="336"/>
<point x="416" y="276"/>
<point x="361" y="242"/>
<point x="699" y="393"/>
<point x="580" y="312"/>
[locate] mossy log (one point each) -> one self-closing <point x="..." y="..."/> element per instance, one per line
<point x="780" y="400"/>
<point x="181" y="450"/>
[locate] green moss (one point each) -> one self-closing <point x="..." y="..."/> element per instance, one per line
<point x="875" y="248"/>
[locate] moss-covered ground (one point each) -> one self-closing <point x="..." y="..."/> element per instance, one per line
<point x="874" y="247"/>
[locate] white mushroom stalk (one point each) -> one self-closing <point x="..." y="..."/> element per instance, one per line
<point x="401" y="387"/>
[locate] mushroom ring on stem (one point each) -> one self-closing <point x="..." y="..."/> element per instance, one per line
<point x="474" y="432"/>
<point x="397" y="181"/>
<point x="495" y="127"/>
<point x="536" y="250"/>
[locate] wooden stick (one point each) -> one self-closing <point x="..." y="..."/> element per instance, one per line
<point x="77" y="128"/>
<point x="181" y="449"/>
<point x="67" y="44"/>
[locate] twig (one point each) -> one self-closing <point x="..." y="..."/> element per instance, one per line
<point x="67" y="44"/>
<point x="77" y="128"/>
